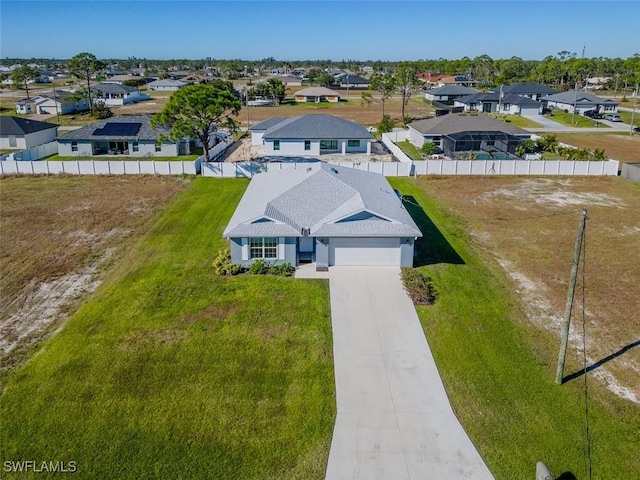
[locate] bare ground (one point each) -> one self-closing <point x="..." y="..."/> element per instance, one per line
<point x="528" y="226"/>
<point x="58" y="237"/>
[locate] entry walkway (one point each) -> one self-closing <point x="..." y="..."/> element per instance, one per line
<point x="394" y="420"/>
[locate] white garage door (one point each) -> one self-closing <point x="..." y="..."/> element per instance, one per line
<point x="364" y="251"/>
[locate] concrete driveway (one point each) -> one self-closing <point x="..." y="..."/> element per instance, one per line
<point x="394" y="420"/>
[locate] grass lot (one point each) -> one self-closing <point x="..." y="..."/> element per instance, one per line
<point x="622" y="147"/>
<point x="171" y="372"/>
<point x="519" y="121"/>
<point x="181" y="158"/>
<point x="410" y="149"/>
<point x="497" y="363"/>
<point x="578" y="120"/>
<point x="626" y="117"/>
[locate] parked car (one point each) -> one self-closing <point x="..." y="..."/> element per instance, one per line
<point x="636" y="129"/>
<point x="592" y="114"/>
<point x="613" y="118"/>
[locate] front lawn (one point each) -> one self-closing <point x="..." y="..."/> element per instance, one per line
<point x="576" y="120"/>
<point x="172" y="372"/>
<point x="499" y="370"/>
<point x="519" y="121"/>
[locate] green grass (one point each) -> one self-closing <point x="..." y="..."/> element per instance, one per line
<point x="181" y="158"/>
<point x="172" y="372"/>
<point x="499" y="370"/>
<point x="578" y="120"/>
<point x="519" y="121"/>
<point x="626" y="118"/>
<point x="410" y="149"/>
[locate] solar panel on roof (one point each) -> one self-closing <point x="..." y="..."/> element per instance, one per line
<point x="118" y="129"/>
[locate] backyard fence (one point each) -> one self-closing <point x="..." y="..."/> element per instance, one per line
<point x="98" y="167"/>
<point x="35" y="153"/>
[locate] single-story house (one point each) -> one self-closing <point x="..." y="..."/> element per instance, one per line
<point x="130" y="135"/>
<point x="310" y="135"/>
<point x="464" y="132"/>
<point x="442" y="80"/>
<point x="22" y="133"/>
<point x="51" y="104"/>
<point x="115" y="94"/>
<point x="329" y="215"/>
<point x="509" y="104"/>
<point x="448" y="93"/>
<point x="533" y="90"/>
<point x="352" y="81"/>
<point x="289" y="80"/>
<point x="166" y="85"/>
<point x="317" y="95"/>
<point x="583" y="101"/>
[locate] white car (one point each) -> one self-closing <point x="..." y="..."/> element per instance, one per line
<point x="613" y="118"/>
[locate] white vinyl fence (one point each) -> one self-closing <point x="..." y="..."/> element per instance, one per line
<point x="35" y="153"/>
<point x="98" y="167"/>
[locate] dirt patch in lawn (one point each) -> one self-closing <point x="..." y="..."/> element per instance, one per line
<point x="528" y="226"/>
<point x="58" y="236"/>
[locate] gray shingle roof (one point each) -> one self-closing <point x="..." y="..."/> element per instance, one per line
<point x="112" y="88"/>
<point x="578" y="97"/>
<point x="145" y="132"/>
<point x="315" y="126"/>
<point x="495" y="96"/>
<point x="281" y="203"/>
<point x="167" y="82"/>
<point x="459" y="122"/>
<point x="452" y="90"/>
<point x="524" y="88"/>
<point x="22" y="126"/>
<point x="265" y="124"/>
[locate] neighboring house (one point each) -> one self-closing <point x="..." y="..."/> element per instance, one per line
<point x="331" y="216"/>
<point x="22" y="133"/>
<point x="120" y="79"/>
<point x="532" y="90"/>
<point x="353" y="81"/>
<point x="442" y="80"/>
<point x="51" y="104"/>
<point x="289" y="80"/>
<point x="461" y="133"/>
<point x="115" y="94"/>
<point x="166" y="85"/>
<point x="310" y="135"/>
<point x="509" y="104"/>
<point x="121" y="135"/>
<point x="448" y="93"/>
<point x="597" y="83"/>
<point x="317" y="95"/>
<point x="582" y="101"/>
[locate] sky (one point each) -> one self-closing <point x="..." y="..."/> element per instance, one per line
<point x="309" y="30"/>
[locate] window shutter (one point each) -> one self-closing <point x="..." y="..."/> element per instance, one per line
<point x="281" y="241"/>
<point x="245" y="249"/>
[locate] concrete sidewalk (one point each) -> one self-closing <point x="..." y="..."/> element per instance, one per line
<point x="394" y="420"/>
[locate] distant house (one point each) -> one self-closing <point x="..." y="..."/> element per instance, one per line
<point x="120" y="79"/>
<point x="532" y="90"/>
<point x="51" y="104"/>
<point x="166" y="85"/>
<point x="583" y="101"/>
<point x="289" y="80"/>
<point x="455" y="134"/>
<point x="115" y="94"/>
<point x="310" y="135"/>
<point x="21" y="133"/>
<point x="328" y="215"/>
<point x="317" y="95"/>
<point x="448" y="93"/>
<point x="353" y="81"/>
<point x="509" y="104"/>
<point x="129" y="135"/>
<point x="443" y="80"/>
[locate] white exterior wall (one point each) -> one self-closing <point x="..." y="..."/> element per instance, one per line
<point x="416" y="137"/>
<point x="256" y="138"/>
<point x="85" y="149"/>
<point x="21" y="144"/>
<point x="296" y="147"/>
<point x="31" y="140"/>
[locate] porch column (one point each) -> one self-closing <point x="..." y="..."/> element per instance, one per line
<point x="368" y="148"/>
<point x="344" y="147"/>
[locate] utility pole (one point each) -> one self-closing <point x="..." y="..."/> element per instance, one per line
<point x="570" y="294"/>
<point x="633" y="110"/>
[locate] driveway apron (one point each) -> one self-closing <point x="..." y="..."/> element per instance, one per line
<point x="394" y="420"/>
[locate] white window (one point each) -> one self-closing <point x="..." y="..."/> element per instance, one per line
<point x="135" y="147"/>
<point x="353" y="143"/>
<point x="276" y="144"/>
<point x="307" y="144"/>
<point x="74" y="146"/>
<point x="263" y="247"/>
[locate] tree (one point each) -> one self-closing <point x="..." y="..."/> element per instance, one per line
<point x="385" y="85"/>
<point x="385" y="125"/>
<point x="406" y="82"/>
<point x="83" y="66"/>
<point x="198" y="110"/>
<point x="22" y="75"/>
<point x="276" y="90"/>
<point x="101" y="110"/>
<point x="428" y="148"/>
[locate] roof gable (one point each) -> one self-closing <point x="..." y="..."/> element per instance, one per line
<point x="315" y="126"/>
<point x="454" y="123"/>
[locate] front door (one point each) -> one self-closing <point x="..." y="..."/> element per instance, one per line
<point x="305" y="248"/>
